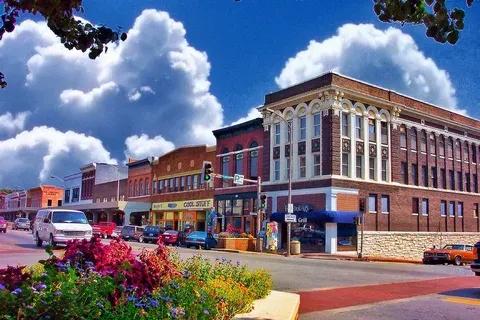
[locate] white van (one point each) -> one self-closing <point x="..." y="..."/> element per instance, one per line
<point x="58" y="226"/>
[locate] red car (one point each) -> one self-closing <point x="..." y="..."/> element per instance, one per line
<point x="172" y="237"/>
<point x="3" y="225"/>
<point x="104" y="229"/>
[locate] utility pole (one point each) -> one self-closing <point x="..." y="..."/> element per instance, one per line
<point x="259" y="214"/>
<point x="290" y="152"/>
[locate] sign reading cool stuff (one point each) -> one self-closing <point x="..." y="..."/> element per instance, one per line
<point x="181" y="205"/>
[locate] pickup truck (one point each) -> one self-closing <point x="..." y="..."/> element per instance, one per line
<point x="104" y="229"/>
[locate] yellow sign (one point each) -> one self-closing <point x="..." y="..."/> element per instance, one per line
<point x="183" y="205"/>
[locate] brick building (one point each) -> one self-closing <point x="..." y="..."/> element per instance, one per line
<point x="414" y="164"/>
<point x="139" y="188"/>
<point x="239" y="151"/>
<point x="179" y="199"/>
<point x="45" y="196"/>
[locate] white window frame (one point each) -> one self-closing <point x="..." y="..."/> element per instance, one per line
<point x="302" y="128"/>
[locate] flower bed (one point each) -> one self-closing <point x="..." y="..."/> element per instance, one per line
<point x="98" y="281"/>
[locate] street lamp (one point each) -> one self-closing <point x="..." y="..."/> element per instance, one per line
<point x="290" y="153"/>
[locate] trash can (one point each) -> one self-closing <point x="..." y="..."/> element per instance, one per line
<point x="294" y="247"/>
<point x="259" y="244"/>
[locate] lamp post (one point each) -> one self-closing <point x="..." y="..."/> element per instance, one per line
<point x="290" y="153"/>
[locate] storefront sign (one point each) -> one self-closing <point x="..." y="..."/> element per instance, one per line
<point x="302" y="207"/>
<point x="202" y="204"/>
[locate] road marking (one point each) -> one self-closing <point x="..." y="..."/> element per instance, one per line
<point x="468" y="301"/>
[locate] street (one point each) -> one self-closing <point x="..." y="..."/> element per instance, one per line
<point x="380" y="290"/>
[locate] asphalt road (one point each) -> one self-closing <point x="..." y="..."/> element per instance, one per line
<point x="289" y="274"/>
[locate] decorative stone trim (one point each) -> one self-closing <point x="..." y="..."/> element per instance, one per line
<point x="276" y="152"/>
<point x="384" y="153"/>
<point x="316" y="145"/>
<point x="301" y="148"/>
<point x="372" y="150"/>
<point x="360" y="147"/>
<point x="346" y="145"/>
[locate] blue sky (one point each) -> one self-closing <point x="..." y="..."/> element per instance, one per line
<point x="191" y="66"/>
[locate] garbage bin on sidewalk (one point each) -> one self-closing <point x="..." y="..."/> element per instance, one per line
<point x="294" y="247"/>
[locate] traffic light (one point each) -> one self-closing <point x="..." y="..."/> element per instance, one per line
<point x="263" y="201"/>
<point x="207" y="171"/>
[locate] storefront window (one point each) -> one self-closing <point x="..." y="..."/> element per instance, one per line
<point x="311" y="236"/>
<point x="228" y="207"/>
<point x="221" y="207"/>
<point x="246" y="206"/>
<point x="237" y="207"/>
<point x="237" y="223"/>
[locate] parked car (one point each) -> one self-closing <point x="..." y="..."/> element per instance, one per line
<point x="476" y="263"/>
<point x="132" y="233"/>
<point x="21" y="223"/>
<point x="152" y="233"/>
<point x="200" y="239"/>
<point x="457" y="254"/>
<point x="58" y="226"/>
<point x="3" y="225"/>
<point x="104" y="229"/>
<point x="172" y="237"/>
<point x="117" y="232"/>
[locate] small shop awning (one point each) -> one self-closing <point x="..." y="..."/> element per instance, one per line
<point x="319" y="216"/>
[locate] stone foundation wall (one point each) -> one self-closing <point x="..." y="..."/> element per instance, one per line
<point x="410" y="245"/>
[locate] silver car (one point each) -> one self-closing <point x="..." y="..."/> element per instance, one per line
<point x="21" y="223"/>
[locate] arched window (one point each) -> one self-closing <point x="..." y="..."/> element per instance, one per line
<point x="384" y="132"/>
<point x="433" y="144"/>
<point x="474" y="153"/>
<point x="238" y="160"/>
<point x="372" y="130"/>
<point x="423" y="141"/>
<point x="457" y="150"/>
<point x="450" y="148"/>
<point x="403" y="137"/>
<point x="140" y="185"/>
<point x="466" y="150"/>
<point x="345" y="124"/>
<point x="253" y="160"/>
<point x="413" y="139"/>
<point x="441" y="146"/>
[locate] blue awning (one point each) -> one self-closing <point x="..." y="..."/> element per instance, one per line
<point x="319" y="216"/>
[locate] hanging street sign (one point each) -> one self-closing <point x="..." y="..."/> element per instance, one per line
<point x="238" y="179"/>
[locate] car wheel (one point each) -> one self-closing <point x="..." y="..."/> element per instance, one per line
<point x="38" y="241"/>
<point x="458" y="261"/>
<point x="51" y="242"/>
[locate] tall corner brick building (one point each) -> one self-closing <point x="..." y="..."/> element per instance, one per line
<point x="413" y="164"/>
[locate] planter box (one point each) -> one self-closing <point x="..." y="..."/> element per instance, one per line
<point x="242" y="244"/>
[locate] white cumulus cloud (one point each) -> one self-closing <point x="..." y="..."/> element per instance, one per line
<point x="36" y="154"/>
<point x="253" y="113"/>
<point x="140" y="147"/>
<point x="10" y="123"/>
<point x="389" y="58"/>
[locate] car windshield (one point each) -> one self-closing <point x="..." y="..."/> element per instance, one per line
<point x="453" y="247"/>
<point x="198" y="234"/>
<point x="152" y="229"/>
<point x="69" y="217"/>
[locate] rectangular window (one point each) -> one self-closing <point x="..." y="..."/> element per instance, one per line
<point x="49" y="202"/>
<point x="425" y="207"/>
<point x="434" y="177"/>
<point x="277" y="134"/>
<point x="467" y="182"/>
<point x="460" y="180"/>
<point x="432" y="145"/>
<point x="303" y="128"/>
<point x="154" y="187"/>
<point x="225" y="165"/>
<point x="415" y="206"/>
<point x="423" y="142"/>
<point x="443" y="208"/>
<point x="450" y="148"/>
<point x="475" y="210"/>
<point x="425" y="176"/>
<point x="385" y="204"/>
<point x="372" y="203"/>
<point x="302" y="167"/>
<point x="384" y="132"/>
<point x="414" y="174"/>
<point x="443" y="177"/>
<point x="403" y="172"/>
<point x="474" y="153"/>
<point x="475" y="183"/>
<point x="413" y="140"/>
<point x="67" y="196"/>
<point x="276" y="170"/>
<point x="254" y="164"/>
<point x="189" y="182"/>
<point x="195" y="181"/>
<point x="372" y="168"/>
<point x="403" y="137"/>
<point x="441" y="146"/>
<point x="452" y="179"/>
<point x="359" y="127"/>
<point x="372" y="132"/>
<point x="182" y="183"/>
<point x="75" y="194"/>
<point x="451" y="208"/>
<point x="345" y="165"/>
<point x="316" y="165"/>
<point x="287" y="171"/>
<point x="460" y="209"/>
<point x="345" y="124"/>
<point x="316" y="124"/>
<point x="359" y="166"/>
<point x="384" y="170"/>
